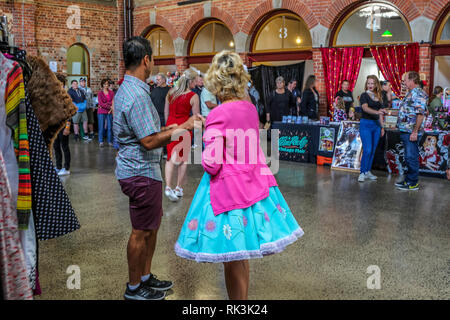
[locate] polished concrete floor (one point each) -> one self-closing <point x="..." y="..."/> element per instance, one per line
<point x="348" y="226"/>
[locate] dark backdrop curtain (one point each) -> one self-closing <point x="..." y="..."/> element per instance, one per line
<point x="263" y="78"/>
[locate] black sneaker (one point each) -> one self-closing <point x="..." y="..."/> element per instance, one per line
<point x="143" y="293"/>
<point x="406" y="187"/>
<point x="77" y="137"/>
<point x="91" y="136"/>
<point x="400" y="184"/>
<point x="154" y="283"/>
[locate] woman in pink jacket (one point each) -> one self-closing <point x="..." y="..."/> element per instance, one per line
<point x="238" y="212"/>
<point x="104" y="112"/>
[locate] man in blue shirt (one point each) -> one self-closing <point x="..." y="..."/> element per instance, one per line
<point x="411" y="123"/>
<point x="138" y="132"/>
<point x="79" y="99"/>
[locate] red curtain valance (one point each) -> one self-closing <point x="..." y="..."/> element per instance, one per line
<point x="393" y="61"/>
<point x="340" y="64"/>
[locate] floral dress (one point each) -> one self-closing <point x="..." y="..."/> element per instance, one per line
<point x="264" y="228"/>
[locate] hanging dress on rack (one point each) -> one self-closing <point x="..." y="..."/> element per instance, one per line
<point x="52" y="209"/>
<point x="13" y="273"/>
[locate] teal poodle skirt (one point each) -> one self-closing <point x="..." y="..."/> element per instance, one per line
<point x="264" y="228"/>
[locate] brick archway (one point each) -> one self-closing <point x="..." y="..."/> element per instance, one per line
<point x="264" y="8"/>
<point x="144" y="27"/>
<point x="338" y="7"/>
<point x="434" y="10"/>
<point x="199" y="15"/>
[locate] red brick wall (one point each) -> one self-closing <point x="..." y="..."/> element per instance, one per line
<point x="44" y="32"/>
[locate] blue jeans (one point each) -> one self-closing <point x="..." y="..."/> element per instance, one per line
<point x="370" y="131"/>
<point x="411" y="158"/>
<point x="101" y="127"/>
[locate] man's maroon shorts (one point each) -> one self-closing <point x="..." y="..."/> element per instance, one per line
<point x="145" y="202"/>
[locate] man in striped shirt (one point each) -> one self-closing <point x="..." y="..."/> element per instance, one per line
<point x="138" y="131"/>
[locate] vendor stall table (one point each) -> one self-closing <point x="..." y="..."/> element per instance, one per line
<point x="309" y="142"/>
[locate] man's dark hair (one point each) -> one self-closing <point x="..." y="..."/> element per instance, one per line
<point x="73" y="81"/>
<point x="292" y="81"/>
<point x="345" y="80"/>
<point x="134" y="50"/>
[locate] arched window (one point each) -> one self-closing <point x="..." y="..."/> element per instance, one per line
<point x="212" y="37"/>
<point x="443" y="35"/>
<point x="283" y="32"/>
<point x="78" y="63"/>
<point x="161" y="42"/>
<point x="373" y="23"/>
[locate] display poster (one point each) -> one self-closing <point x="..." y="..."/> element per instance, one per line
<point x="348" y="150"/>
<point x="326" y="139"/>
<point x="433" y="154"/>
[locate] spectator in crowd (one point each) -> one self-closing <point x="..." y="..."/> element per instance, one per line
<point x="62" y="141"/>
<point x="159" y="94"/>
<point x="346" y="95"/>
<point x="198" y="85"/>
<point x="89" y="106"/>
<point x="310" y="99"/>
<point x="180" y="101"/>
<point x="208" y="102"/>
<point x="281" y="102"/>
<point x="104" y="113"/>
<point x="371" y="125"/>
<point x="169" y="79"/>
<point x="387" y="94"/>
<point x="256" y="100"/>
<point x="79" y="99"/>
<point x="411" y="123"/>
<point x="292" y="87"/>
<point x="435" y="105"/>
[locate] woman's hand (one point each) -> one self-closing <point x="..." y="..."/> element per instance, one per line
<point x="382" y="132"/>
<point x="66" y="131"/>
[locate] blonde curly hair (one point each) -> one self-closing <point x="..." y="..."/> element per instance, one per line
<point x="226" y="77"/>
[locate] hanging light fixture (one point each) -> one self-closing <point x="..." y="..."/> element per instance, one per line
<point x="298" y="40"/>
<point x="231" y="44"/>
<point x="387" y="34"/>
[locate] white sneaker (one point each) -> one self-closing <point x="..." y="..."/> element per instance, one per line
<point x="63" y="172"/>
<point x="178" y="192"/>
<point x="371" y="176"/>
<point x="171" y="194"/>
<point x="362" y="177"/>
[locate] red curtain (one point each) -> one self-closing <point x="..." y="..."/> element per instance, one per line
<point x="393" y="61"/>
<point x="340" y="64"/>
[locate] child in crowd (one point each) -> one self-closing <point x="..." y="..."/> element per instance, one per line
<point x="339" y="110"/>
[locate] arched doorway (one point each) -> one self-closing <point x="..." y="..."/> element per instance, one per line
<point x="78" y="63"/>
<point x="209" y="38"/>
<point x="282" y="38"/>
<point x="368" y="24"/>
<point x="163" y="50"/>
<point x="440" y="51"/>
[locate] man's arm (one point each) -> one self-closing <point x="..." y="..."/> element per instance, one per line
<point x="162" y="138"/>
<point x="210" y="105"/>
<point x="414" y="135"/>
